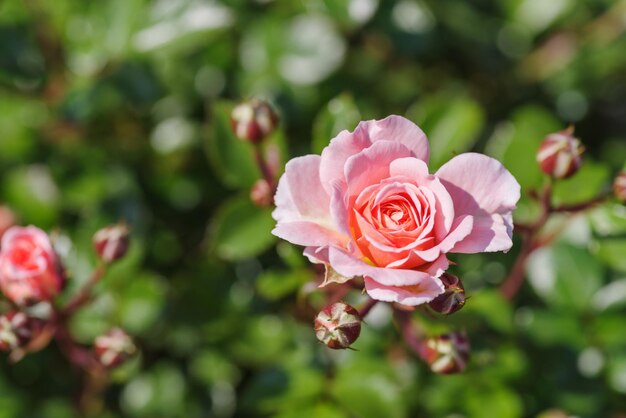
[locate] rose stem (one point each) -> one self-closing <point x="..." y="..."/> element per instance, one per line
<point x="410" y="333"/>
<point x="367" y="307"/>
<point x="532" y="241"/>
<point x="264" y="167"/>
<point x="84" y="295"/>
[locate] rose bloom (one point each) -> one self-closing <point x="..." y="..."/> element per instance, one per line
<point x="30" y="271"/>
<point x="369" y="207"/>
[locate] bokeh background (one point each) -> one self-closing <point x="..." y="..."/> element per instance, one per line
<point x="118" y="109"/>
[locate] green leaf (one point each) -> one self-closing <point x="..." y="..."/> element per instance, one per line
<point x="368" y="392"/>
<point x="274" y="285"/>
<point x="515" y="143"/>
<point x="231" y="158"/>
<point x="491" y="307"/>
<point x="550" y="328"/>
<point x="611" y="252"/>
<point x="565" y="276"/>
<point x="586" y="184"/>
<point x="241" y="230"/>
<point x="609" y="219"/>
<point x="340" y="113"/>
<point x="492" y="401"/>
<point x="32" y="192"/>
<point x="141" y="302"/>
<point x="451" y="122"/>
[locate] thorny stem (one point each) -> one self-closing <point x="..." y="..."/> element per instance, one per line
<point x="532" y="239"/>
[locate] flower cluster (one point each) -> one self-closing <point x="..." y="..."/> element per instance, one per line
<point x="32" y="275"/>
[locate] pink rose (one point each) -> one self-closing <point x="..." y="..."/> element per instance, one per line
<point x="29" y="268"/>
<point x="368" y="207"/>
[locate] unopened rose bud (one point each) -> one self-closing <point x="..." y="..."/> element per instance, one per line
<point x="338" y="325"/>
<point x="453" y="297"/>
<point x="17" y="330"/>
<point x="111" y="242"/>
<point x="619" y="186"/>
<point x="261" y="193"/>
<point x="253" y="120"/>
<point x="559" y="154"/>
<point x="114" y="348"/>
<point x="30" y="270"/>
<point x="447" y="353"/>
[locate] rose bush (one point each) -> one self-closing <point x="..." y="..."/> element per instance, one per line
<point x="30" y="271"/>
<point x="369" y="207"/>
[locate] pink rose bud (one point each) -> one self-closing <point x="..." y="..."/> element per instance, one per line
<point x="338" y="325"/>
<point x="111" y="242"/>
<point x="253" y="120"/>
<point x="17" y="330"/>
<point x="559" y="154"/>
<point x="261" y="193"/>
<point x="7" y="219"/>
<point x="30" y="271"/>
<point x="114" y="348"/>
<point x="453" y="297"/>
<point x="619" y="186"/>
<point x="447" y="353"/>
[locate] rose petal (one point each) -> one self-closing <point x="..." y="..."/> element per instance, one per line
<point x="302" y="205"/>
<point x="414" y="295"/>
<point x="349" y="266"/>
<point x="483" y="188"/>
<point x="346" y="144"/>
<point x="399" y="129"/>
<point x="371" y="165"/>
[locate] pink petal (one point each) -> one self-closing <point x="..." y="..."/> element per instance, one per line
<point x="349" y="266"/>
<point x="416" y="169"/>
<point x="371" y="165"/>
<point x="483" y="188"/>
<point x="346" y="144"/>
<point x="424" y="292"/>
<point x="399" y="129"/>
<point x="334" y="156"/>
<point x="302" y="205"/>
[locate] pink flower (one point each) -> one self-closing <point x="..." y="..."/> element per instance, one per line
<point x="29" y="268"/>
<point x="368" y="207"/>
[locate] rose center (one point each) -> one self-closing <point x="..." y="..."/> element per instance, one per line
<point x="25" y="256"/>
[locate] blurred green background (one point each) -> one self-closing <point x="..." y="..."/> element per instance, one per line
<point x="118" y="109"/>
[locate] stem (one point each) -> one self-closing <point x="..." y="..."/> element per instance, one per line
<point x="367" y="307"/>
<point x="531" y="239"/>
<point x="515" y="279"/>
<point x="84" y="295"/>
<point x="410" y="333"/>
<point x="581" y="206"/>
<point x="266" y="172"/>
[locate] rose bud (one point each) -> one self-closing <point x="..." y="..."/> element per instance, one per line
<point x="338" y="325"/>
<point x="447" y="353"/>
<point x="114" y="348"/>
<point x="453" y="297"/>
<point x="619" y="186"/>
<point x="30" y="270"/>
<point x="261" y="193"/>
<point x="253" y="120"/>
<point x="111" y="242"/>
<point x="559" y="154"/>
<point x="17" y="330"/>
